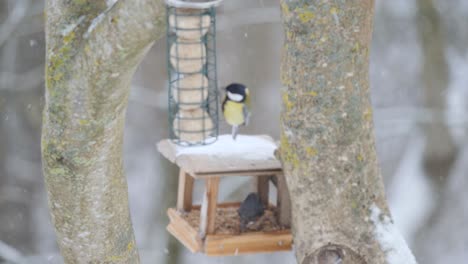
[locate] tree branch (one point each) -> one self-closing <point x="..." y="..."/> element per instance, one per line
<point x="92" y="52"/>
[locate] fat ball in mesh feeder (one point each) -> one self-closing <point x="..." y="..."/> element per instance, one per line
<point x="193" y="125"/>
<point x="191" y="91"/>
<point x="187" y="25"/>
<point x="187" y="56"/>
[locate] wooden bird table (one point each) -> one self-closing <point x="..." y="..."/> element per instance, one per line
<point x="246" y="156"/>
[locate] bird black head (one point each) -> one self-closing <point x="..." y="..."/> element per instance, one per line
<point x="236" y="92"/>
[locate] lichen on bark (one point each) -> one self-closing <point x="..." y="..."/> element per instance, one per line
<point x="92" y="52"/>
<point x="327" y="141"/>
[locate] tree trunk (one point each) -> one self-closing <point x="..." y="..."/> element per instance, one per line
<point x="93" y="49"/>
<point x="327" y="141"/>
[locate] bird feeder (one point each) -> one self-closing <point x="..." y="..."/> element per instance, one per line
<point x="213" y="228"/>
<point x="191" y="52"/>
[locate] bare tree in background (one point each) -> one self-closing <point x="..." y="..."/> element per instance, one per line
<point x="327" y="141"/>
<point x="435" y="238"/>
<point x="21" y="78"/>
<point x="440" y="151"/>
<point x="93" y="49"/>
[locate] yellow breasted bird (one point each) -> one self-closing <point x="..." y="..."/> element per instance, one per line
<point x="236" y="106"/>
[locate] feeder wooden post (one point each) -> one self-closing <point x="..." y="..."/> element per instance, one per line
<point x="263" y="187"/>
<point x="208" y="208"/>
<point x="185" y="191"/>
<point x="283" y="201"/>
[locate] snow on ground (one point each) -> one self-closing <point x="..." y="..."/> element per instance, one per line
<point x="390" y="239"/>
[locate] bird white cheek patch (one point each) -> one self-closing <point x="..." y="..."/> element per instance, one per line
<point x="234" y="97"/>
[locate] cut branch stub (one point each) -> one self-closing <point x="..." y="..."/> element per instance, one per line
<point x="333" y="254"/>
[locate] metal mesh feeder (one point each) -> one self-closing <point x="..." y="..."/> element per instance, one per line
<point x="193" y="92"/>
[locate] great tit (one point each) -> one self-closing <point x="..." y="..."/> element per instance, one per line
<point x="236" y="106"/>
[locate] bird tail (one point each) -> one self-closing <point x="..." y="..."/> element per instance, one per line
<point x="235" y="129"/>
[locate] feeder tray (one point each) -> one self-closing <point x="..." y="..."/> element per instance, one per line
<point x="213" y="228"/>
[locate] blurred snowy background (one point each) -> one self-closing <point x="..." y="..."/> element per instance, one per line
<point x="419" y="81"/>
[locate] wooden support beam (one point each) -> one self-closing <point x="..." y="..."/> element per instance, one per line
<point x="208" y="208"/>
<point x="263" y="187"/>
<point x="255" y="242"/>
<point x="185" y="191"/>
<point x="183" y="231"/>
<point x="236" y="173"/>
<point x="283" y="201"/>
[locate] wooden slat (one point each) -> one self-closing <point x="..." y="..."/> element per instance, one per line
<point x="212" y="185"/>
<point x="221" y="205"/>
<point x="201" y="175"/>
<point x="185" y="190"/>
<point x="211" y="164"/>
<point x="181" y="230"/>
<point x="208" y="208"/>
<point x="283" y="201"/>
<point x="182" y="237"/>
<point x="228" y="245"/>
<point x="228" y="205"/>
<point x="176" y="218"/>
<point x="263" y="187"/>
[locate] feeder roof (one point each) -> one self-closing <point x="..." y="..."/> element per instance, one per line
<point x="225" y="156"/>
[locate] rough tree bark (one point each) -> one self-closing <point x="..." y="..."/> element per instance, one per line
<point x="93" y="49"/>
<point x="327" y="141"/>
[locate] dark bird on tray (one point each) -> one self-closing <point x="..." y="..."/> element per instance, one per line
<point x="250" y="210"/>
